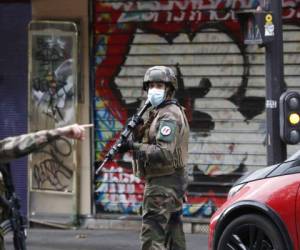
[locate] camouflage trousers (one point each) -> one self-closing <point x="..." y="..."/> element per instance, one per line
<point x="2" y="242"/>
<point x="162" y="227"/>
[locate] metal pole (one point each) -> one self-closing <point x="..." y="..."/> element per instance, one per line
<point x="276" y="149"/>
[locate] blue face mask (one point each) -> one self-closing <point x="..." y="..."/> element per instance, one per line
<point x="156" y="96"/>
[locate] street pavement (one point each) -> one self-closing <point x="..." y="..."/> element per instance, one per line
<point x="54" y="239"/>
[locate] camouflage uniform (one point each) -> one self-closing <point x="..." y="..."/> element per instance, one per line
<point x="18" y="146"/>
<point x="160" y="157"/>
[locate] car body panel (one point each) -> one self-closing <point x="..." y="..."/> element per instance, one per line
<point x="278" y="194"/>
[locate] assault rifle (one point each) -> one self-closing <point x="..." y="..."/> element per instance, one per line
<point x="124" y="135"/>
<point x="14" y="221"/>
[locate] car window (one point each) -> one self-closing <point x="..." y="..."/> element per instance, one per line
<point x="287" y="167"/>
<point x="256" y="175"/>
<point x="295" y="156"/>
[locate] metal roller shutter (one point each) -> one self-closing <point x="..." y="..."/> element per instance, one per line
<point x="222" y="86"/>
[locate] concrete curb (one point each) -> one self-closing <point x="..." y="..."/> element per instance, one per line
<point x="134" y="223"/>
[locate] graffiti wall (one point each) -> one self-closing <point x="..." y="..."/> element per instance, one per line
<point x="221" y="85"/>
<point x="53" y="103"/>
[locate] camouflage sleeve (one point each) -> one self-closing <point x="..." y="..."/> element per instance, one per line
<point x="18" y="146"/>
<point x="166" y="139"/>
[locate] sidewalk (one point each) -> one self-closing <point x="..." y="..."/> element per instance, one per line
<point x="101" y="239"/>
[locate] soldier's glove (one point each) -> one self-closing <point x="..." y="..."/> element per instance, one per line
<point x="125" y="146"/>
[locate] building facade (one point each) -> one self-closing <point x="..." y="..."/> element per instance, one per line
<point x="221" y="85"/>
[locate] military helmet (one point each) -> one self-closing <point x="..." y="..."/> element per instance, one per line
<point x="160" y="74"/>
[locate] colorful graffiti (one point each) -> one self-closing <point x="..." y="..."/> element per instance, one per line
<point x="221" y="85"/>
<point x="119" y="191"/>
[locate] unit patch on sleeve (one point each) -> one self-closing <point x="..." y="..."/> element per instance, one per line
<point x="167" y="131"/>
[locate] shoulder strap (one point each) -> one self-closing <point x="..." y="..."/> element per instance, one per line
<point x="168" y="102"/>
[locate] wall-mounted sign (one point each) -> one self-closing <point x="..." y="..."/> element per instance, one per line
<point x="269" y="26"/>
<point x="257" y="26"/>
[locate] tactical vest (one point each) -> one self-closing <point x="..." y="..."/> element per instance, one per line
<point x="166" y="138"/>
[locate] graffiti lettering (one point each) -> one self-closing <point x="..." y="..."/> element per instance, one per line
<point x="53" y="170"/>
<point x="50" y="170"/>
<point x="183" y="5"/>
<point x="119" y="191"/>
<point x="176" y="17"/>
<point x="290" y="9"/>
<point x="188" y="10"/>
<point x="193" y="10"/>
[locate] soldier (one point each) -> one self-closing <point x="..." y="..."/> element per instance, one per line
<point x="160" y="151"/>
<point x="18" y="146"/>
<point x="15" y="147"/>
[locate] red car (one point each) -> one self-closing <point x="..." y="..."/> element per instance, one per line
<point x="262" y="211"/>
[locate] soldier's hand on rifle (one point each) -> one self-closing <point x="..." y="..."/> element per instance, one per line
<point x="125" y="146"/>
<point x="138" y="124"/>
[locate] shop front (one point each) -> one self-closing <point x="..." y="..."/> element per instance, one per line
<point x="85" y="61"/>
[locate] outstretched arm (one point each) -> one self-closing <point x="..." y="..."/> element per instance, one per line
<point x="18" y="146"/>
